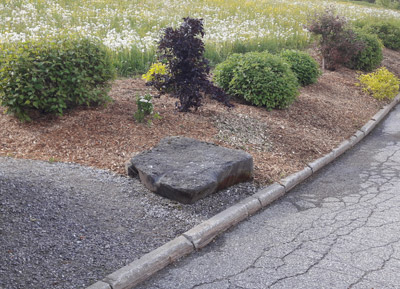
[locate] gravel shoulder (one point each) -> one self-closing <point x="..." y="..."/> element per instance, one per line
<point x="66" y="226"/>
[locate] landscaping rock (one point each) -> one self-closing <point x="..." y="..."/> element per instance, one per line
<point x="185" y="169"/>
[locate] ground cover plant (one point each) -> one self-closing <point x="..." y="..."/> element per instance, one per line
<point x="130" y="29"/>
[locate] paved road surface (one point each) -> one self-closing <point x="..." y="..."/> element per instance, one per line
<point x="340" y="229"/>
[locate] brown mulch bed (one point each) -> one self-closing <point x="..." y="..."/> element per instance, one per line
<point x="281" y="141"/>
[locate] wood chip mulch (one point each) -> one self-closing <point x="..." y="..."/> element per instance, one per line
<point x="281" y="141"/>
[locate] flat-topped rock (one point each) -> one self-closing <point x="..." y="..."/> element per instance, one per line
<point x="185" y="169"/>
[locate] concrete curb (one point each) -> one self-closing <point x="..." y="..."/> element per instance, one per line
<point x="204" y="233"/>
<point x="269" y="194"/>
<point x="140" y="269"/>
<point x="99" y="285"/>
<point x="291" y="181"/>
<point x="201" y="235"/>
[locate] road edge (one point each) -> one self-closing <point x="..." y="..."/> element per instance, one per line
<point x="199" y="236"/>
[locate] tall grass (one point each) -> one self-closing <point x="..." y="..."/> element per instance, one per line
<point x="131" y="28"/>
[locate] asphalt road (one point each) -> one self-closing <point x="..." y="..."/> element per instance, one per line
<point x="340" y="229"/>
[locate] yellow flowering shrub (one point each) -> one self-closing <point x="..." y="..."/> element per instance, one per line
<point x="381" y="84"/>
<point x="155" y="68"/>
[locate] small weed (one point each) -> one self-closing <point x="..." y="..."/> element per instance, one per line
<point x="52" y="160"/>
<point x="145" y="108"/>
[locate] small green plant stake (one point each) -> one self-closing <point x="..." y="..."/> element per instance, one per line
<point x="145" y="108"/>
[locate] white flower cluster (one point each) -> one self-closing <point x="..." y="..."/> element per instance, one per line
<point x="144" y="99"/>
<point x="125" y="24"/>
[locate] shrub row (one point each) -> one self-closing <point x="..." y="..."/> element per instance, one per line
<point x="264" y="79"/>
<point x="388" y="31"/>
<point x="53" y="76"/>
<point x="394" y="4"/>
<point x="61" y="73"/>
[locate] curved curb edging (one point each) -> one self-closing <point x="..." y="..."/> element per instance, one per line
<point x="199" y="236"/>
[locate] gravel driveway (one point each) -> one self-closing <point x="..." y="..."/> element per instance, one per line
<point x="67" y="226"/>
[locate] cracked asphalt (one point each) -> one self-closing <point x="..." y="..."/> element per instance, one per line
<point x="340" y="229"/>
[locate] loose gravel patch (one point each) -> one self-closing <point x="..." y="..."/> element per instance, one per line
<point x="67" y="226"/>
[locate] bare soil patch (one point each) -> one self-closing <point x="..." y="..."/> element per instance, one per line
<point x="281" y="141"/>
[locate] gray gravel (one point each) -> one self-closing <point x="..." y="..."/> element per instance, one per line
<point x="67" y="226"/>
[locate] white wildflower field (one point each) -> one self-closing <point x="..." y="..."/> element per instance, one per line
<point x="131" y="28"/>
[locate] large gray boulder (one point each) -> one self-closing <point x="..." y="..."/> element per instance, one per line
<point x="185" y="169"/>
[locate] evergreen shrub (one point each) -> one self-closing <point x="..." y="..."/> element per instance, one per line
<point x="303" y="65"/>
<point x="370" y="56"/>
<point x="260" y="78"/>
<point x="388" y="32"/>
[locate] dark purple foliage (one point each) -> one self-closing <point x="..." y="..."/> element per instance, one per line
<point x="182" y="50"/>
<point x="338" y="42"/>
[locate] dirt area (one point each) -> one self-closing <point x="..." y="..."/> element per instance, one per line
<point x="281" y="141"/>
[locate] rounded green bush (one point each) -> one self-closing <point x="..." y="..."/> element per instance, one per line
<point x="388" y="32"/>
<point x="370" y="57"/>
<point x="223" y="73"/>
<point x="303" y="65"/>
<point x="262" y="79"/>
<point x="53" y="75"/>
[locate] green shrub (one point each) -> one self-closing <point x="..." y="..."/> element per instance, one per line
<point x="262" y="79"/>
<point x="381" y="84"/>
<point x="389" y="3"/>
<point x="387" y="31"/>
<point x="303" y="65"/>
<point x="224" y="71"/>
<point x="370" y="56"/>
<point x="54" y="75"/>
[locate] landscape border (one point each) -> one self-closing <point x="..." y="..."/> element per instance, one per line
<point x="199" y="236"/>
